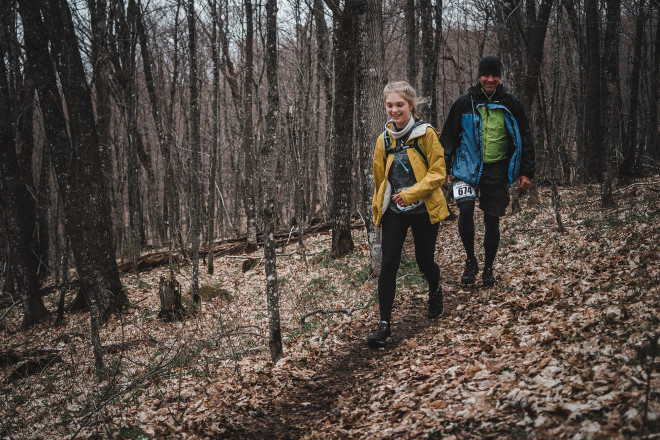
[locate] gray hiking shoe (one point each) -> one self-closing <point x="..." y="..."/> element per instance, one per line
<point x="436" y="306"/>
<point x="380" y="337"/>
<point x="471" y="270"/>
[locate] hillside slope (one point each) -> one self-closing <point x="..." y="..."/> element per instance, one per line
<point x="565" y="346"/>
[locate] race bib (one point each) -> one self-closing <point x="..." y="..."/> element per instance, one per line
<point x="463" y="189"/>
<point x="409" y="207"/>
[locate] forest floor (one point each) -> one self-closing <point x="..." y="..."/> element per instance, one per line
<point x="564" y="346"/>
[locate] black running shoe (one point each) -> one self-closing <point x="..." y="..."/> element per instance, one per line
<point x="435" y="303"/>
<point x="379" y="338"/>
<point x="487" y="277"/>
<point x="471" y="270"/>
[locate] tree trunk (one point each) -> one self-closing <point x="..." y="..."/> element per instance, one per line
<point x="269" y="161"/>
<point x="370" y="79"/>
<point x="411" y="41"/>
<point x="534" y="35"/>
<point x="594" y="164"/>
<point x="101" y="80"/>
<point x="612" y="133"/>
<point x="325" y="80"/>
<point x="76" y="161"/>
<point x="169" y="292"/>
<point x="164" y="124"/>
<point x="342" y="241"/>
<point x="429" y="61"/>
<point x="248" y="135"/>
<point x="653" y="142"/>
<point x="18" y="204"/>
<point x="195" y="147"/>
<point x="214" y="138"/>
<point x="509" y="25"/>
<point x="629" y="148"/>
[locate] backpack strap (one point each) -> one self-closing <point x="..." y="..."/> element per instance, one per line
<point x="387" y="147"/>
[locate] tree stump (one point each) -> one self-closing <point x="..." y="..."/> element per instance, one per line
<point x="169" y="291"/>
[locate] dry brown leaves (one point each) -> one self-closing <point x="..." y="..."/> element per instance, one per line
<point x="560" y="348"/>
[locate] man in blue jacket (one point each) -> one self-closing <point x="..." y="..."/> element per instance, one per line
<point x="488" y="146"/>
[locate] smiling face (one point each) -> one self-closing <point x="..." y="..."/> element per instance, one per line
<point x="489" y="83"/>
<point x="398" y="109"/>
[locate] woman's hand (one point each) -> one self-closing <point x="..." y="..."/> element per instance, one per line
<point x="396" y="198"/>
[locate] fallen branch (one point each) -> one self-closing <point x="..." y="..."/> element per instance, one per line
<point x="33" y="366"/>
<point x="9" y="309"/>
<point x="12" y="357"/>
<point x="131" y="386"/>
<point x="636" y="184"/>
<point x="348" y="312"/>
<point x="114" y="348"/>
<point x="229" y="334"/>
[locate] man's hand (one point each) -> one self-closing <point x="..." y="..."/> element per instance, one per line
<point x="396" y="198"/>
<point x="523" y="183"/>
<point x="447" y="181"/>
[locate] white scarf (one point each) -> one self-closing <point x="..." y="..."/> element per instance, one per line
<point x="401" y="133"/>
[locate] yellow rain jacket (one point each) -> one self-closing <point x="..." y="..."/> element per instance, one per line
<point x="429" y="181"/>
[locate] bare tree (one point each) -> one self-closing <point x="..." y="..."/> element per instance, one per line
<point x="629" y="150"/>
<point x="411" y="41"/>
<point x="344" y="38"/>
<point x="18" y="204"/>
<point x="268" y="149"/>
<point x="370" y="82"/>
<point x="324" y="87"/>
<point x="248" y="135"/>
<point x="430" y="49"/>
<point x="76" y="160"/>
<point x="593" y="107"/>
<point x="195" y="148"/>
<point x="612" y="125"/>
<point x="214" y="136"/>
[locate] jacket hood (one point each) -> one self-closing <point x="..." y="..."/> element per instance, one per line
<point x="418" y="129"/>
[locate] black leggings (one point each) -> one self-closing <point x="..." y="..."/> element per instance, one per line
<point x="395" y="228"/>
<point x="466" y="231"/>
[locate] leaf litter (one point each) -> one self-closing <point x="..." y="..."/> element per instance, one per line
<point x="564" y="346"/>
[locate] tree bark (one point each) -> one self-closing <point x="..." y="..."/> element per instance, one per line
<point x="612" y="133"/>
<point x="102" y="86"/>
<point x="429" y="62"/>
<point x="76" y="161"/>
<point x="18" y="205"/>
<point x="594" y="162"/>
<point x="629" y="149"/>
<point x="370" y="82"/>
<point x="342" y="241"/>
<point x="214" y="137"/>
<point x="653" y="142"/>
<point x="323" y="66"/>
<point x="411" y="41"/>
<point x="268" y="150"/>
<point x="248" y="135"/>
<point x="195" y="147"/>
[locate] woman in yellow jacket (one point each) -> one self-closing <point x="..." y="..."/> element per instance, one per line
<point x="409" y="170"/>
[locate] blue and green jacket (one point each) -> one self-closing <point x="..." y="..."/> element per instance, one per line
<point x="461" y="136"/>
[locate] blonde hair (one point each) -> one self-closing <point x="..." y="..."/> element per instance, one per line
<point x="406" y="91"/>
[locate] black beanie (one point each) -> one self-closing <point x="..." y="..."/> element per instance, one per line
<point x="490" y="65"/>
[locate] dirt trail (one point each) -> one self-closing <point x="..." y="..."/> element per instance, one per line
<point x="306" y="403"/>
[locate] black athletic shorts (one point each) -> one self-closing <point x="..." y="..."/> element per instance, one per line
<point x="493" y="190"/>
